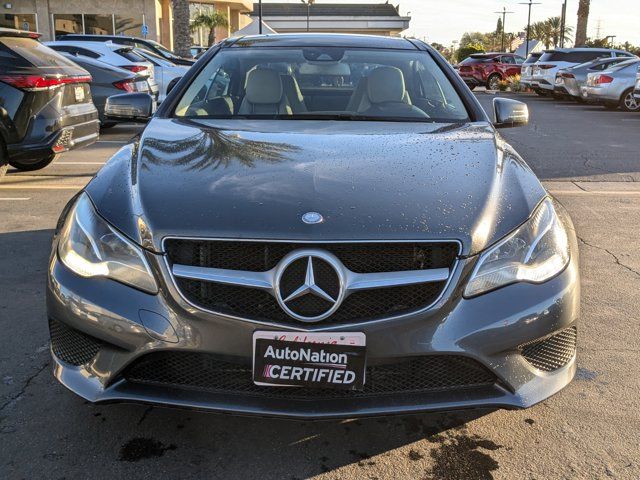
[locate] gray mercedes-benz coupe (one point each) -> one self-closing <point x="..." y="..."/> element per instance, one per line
<point x="316" y="226"/>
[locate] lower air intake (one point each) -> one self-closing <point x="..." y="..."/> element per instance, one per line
<point x="552" y="352"/>
<point x="72" y="346"/>
<point x="207" y="372"/>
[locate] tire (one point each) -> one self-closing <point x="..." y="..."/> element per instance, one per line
<point x="628" y="103"/>
<point x="4" y="163"/>
<point x="30" y="166"/>
<point x="540" y="93"/>
<point x="492" y="81"/>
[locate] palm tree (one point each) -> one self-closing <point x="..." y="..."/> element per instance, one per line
<point x="210" y="20"/>
<point x="181" y="35"/>
<point x="554" y="27"/>
<point x="583" y="18"/>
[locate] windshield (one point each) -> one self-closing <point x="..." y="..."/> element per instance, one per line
<point x="322" y="83"/>
<point x="168" y="53"/>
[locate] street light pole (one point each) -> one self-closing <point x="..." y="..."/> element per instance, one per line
<point x="530" y="3"/>
<point x="563" y="23"/>
<point x="504" y="18"/>
<point x="309" y="3"/>
<point x="260" y="17"/>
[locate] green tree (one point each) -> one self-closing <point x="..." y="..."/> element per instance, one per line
<point x="210" y="20"/>
<point x="468" y="50"/>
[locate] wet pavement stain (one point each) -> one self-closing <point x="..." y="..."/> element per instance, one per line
<point x="584" y="374"/>
<point x="140" y="448"/>
<point x="462" y="456"/>
<point x="530" y="421"/>
<point x="414" y="455"/>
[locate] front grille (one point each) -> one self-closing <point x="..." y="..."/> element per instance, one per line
<point x="210" y="373"/>
<point x="553" y="352"/>
<point x="260" y="305"/>
<point x="357" y="257"/>
<point x="263" y="256"/>
<point x="72" y="346"/>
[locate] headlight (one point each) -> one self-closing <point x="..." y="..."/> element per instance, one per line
<point x="535" y="252"/>
<point x="91" y="248"/>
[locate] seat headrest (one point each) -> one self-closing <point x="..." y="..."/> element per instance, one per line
<point x="386" y="84"/>
<point x="263" y="86"/>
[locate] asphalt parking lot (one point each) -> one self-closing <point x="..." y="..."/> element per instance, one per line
<point x="588" y="157"/>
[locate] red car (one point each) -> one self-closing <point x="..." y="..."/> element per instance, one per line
<point x="487" y="69"/>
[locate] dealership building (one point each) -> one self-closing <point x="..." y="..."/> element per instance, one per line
<point x="139" y="18"/>
<point x="153" y="18"/>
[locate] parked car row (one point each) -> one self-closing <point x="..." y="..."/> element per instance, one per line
<point x="594" y="75"/>
<point x="55" y="96"/>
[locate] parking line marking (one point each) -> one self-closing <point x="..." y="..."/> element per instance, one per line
<point x="41" y="187"/>
<point x="79" y="163"/>
<point x="620" y="193"/>
<point x="14" y="199"/>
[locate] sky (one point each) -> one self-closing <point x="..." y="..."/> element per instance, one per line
<point x="443" y="21"/>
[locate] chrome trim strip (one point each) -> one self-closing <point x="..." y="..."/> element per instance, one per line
<point x="367" y="281"/>
<point x="259" y="280"/>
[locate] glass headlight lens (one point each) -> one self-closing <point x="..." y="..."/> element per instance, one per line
<point x="535" y="252"/>
<point x="91" y="248"/>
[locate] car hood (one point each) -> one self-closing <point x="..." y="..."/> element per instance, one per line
<point x="369" y="180"/>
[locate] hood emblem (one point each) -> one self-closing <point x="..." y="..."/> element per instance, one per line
<point x="309" y="285"/>
<point x="312" y="218"/>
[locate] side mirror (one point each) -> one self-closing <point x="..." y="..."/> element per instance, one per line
<point x="172" y="84"/>
<point x="133" y="107"/>
<point x="510" y="113"/>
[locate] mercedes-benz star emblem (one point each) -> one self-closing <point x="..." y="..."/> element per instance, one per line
<point x="311" y="218"/>
<point x="309" y="284"/>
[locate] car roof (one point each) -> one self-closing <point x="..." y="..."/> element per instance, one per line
<point x="80" y="36"/>
<point x="581" y="49"/>
<point x="83" y="59"/>
<point x="12" y="32"/>
<point x="109" y="45"/>
<point x="320" y="40"/>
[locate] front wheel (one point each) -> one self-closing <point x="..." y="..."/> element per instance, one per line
<point x="494" y="82"/>
<point x="35" y="165"/>
<point x="628" y="102"/>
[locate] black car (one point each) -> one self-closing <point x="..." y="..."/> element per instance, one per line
<point x="107" y="80"/>
<point x="45" y="102"/>
<point x="143" y="43"/>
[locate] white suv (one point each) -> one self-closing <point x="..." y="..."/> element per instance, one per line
<point x="544" y="71"/>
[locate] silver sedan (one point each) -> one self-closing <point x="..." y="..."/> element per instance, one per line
<point x="613" y="88"/>
<point x="569" y="80"/>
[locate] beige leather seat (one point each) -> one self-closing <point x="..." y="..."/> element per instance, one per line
<point x="264" y="94"/>
<point x="387" y="95"/>
<point x="359" y="100"/>
<point x="293" y="93"/>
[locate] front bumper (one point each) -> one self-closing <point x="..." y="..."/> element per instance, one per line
<point x="487" y="329"/>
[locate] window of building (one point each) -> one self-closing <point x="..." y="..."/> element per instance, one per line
<point x="22" y="21"/>
<point x="65" y="23"/>
<point x="129" y="27"/>
<point x="98" y="24"/>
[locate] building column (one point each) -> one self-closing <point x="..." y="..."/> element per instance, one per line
<point x="166" y="20"/>
<point x="223" y="32"/>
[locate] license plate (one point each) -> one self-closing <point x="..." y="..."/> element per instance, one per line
<point x="312" y="360"/>
<point x="79" y="93"/>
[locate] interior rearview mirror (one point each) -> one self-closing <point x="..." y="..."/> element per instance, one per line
<point x="133" y="107"/>
<point x="510" y="113"/>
